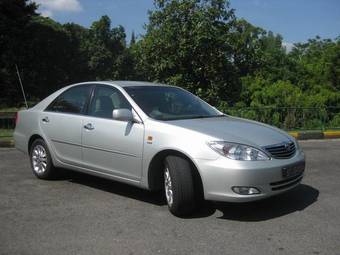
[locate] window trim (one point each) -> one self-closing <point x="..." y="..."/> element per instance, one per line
<point x="85" y="111"/>
<point x="90" y="99"/>
<point x="170" y="86"/>
<point x="119" y="91"/>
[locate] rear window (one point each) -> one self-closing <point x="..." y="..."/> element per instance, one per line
<point x="72" y="100"/>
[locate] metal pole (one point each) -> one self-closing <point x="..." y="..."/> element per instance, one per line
<point x="22" y="87"/>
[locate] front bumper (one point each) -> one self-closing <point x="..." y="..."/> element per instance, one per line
<point x="219" y="176"/>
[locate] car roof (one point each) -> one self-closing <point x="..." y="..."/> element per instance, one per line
<point x="134" y="83"/>
<point x="122" y="84"/>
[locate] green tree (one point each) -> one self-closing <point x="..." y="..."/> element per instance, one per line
<point x="197" y="44"/>
<point x="187" y="43"/>
<point x="133" y="39"/>
<point x="247" y="47"/>
<point x="15" y="16"/>
<point x="108" y="56"/>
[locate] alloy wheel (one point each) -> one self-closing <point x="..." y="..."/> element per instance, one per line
<point x="39" y="159"/>
<point x="168" y="187"/>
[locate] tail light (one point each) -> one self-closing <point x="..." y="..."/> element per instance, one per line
<point x="16" y="118"/>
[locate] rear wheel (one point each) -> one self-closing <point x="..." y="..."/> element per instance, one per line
<point x="41" y="161"/>
<point x="179" y="186"/>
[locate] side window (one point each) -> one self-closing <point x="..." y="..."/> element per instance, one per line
<point x="72" y="100"/>
<point x="105" y="100"/>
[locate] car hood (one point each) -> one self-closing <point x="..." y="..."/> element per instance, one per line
<point x="233" y="129"/>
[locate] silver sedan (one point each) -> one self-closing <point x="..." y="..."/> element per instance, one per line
<point x="158" y="137"/>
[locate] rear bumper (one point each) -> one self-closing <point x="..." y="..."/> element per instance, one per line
<point x="20" y="141"/>
<point x="219" y="176"/>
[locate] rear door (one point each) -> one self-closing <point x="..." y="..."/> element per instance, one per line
<point x="61" y="123"/>
<point x="112" y="146"/>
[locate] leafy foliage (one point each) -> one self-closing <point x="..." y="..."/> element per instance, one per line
<point x="196" y="44"/>
<point x="187" y="43"/>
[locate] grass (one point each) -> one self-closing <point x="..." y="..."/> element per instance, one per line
<point x="6" y="132"/>
<point x="313" y="130"/>
<point x="11" y="109"/>
<point x="5" y="108"/>
<point x="6" y="139"/>
<point x="6" y="135"/>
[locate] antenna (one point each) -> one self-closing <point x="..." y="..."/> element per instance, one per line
<point x="22" y="87"/>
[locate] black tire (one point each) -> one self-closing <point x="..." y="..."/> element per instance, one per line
<point x="182" y="185"/>
<point x="49" y="172"/>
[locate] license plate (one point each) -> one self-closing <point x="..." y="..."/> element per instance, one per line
<point x="293" y="170"/>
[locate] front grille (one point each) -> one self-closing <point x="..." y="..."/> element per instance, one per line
<point x="282" y="151"/>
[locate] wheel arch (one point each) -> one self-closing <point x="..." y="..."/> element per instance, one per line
<point x="37" y="136"/>
<point x="155" y="173"/>
<point x="31" y="140"/>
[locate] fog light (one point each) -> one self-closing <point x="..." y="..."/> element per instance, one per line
<point x="245" y="190"/>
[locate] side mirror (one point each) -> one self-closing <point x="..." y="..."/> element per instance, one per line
<point x="122" y="114"/>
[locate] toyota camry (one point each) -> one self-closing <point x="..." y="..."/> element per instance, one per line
<point x="158" y="137"/>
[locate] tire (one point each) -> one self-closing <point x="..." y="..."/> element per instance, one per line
<point x="179" y="186"/>
<point x="41" y="161"/>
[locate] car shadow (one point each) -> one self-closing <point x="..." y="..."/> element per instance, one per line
<point x="295" y="200"/>
<point x="114" y="187"/>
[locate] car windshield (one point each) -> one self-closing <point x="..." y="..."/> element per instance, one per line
<point x="170" y="103"/>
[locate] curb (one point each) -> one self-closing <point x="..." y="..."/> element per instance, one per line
<point x="305" y="135"/>
<point x="7" y="144"/>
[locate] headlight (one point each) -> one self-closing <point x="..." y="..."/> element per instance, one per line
<point x="238" y="151"/>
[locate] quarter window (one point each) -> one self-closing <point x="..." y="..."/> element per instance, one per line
<point x="72" y="100"/>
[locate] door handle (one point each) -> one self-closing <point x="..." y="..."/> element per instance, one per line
<point x="45" y="119"/>
<point x="89" y="126"/>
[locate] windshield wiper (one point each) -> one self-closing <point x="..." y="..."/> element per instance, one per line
<point x="207" y="116"/>
<point x="194" y="117"/>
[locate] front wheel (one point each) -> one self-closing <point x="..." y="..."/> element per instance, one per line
<point x="179" y="186"/>
<point x="41" y="161"/>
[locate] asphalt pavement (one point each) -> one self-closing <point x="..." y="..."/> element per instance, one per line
<point x="80" y="214"/>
